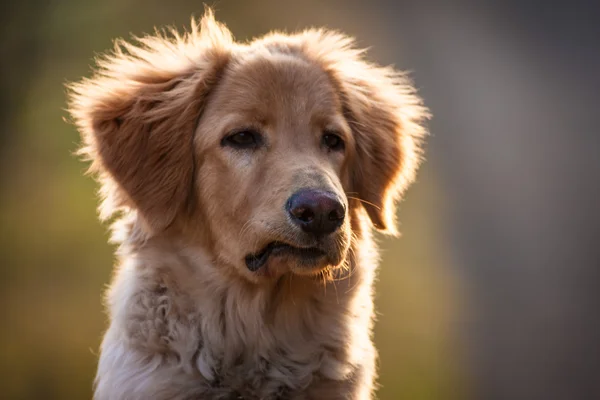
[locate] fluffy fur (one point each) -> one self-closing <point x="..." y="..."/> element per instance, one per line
<point x="188" y="320"/>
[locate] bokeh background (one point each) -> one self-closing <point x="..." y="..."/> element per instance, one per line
<point x="492" y="291"/>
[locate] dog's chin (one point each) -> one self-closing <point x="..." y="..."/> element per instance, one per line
<point x="278" y="258"/>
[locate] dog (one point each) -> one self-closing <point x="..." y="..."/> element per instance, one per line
<point x="245" y="180"/>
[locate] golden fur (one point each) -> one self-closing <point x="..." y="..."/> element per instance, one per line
<point x="188" y="319"/>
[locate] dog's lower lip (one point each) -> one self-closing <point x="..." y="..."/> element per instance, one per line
<point x="257" y="260"/>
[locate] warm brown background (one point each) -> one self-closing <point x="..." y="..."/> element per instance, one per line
<point x="492" y="291"/>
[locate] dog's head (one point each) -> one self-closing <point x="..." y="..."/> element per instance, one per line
<point x="271" y="147"/>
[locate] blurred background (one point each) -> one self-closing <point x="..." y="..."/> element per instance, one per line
<point x="492" y="291"/>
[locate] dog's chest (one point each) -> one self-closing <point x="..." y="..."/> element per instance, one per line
<point x="262" y="359"/>
<point x="224" y="346"/>
<point x="242" y="350"/>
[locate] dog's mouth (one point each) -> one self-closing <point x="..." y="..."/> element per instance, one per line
<point x="307" y="254"/>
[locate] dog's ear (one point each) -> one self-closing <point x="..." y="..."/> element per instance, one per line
<point x="386" y="117"/>
<point x="138" y="113"/>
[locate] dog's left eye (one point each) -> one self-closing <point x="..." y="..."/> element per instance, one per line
<point x="333" y="142"/>
<point x="246" y="139"/>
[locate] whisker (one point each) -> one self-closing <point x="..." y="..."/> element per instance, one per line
<point x="364" y="201"/>
<point x="337" y="300"/>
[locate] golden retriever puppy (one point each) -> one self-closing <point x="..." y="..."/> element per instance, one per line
<point x="246" y="178"/>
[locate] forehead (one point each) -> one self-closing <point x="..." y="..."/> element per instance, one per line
<point x="275" y="89"/>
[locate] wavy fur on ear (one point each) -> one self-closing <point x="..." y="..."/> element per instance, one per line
<point x="383" y="110"/>
<point x="137" y="116"/>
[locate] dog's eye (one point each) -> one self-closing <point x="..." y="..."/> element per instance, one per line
<point x="246" y="139"/>
<point x="333" y="142"/>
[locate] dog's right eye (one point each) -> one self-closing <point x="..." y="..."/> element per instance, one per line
<point x="246" y="139"/>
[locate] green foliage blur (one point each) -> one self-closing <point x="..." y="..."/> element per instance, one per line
<point x="56" y="261"/>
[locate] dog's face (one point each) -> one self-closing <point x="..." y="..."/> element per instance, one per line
<point x="273" y="147"/>
<point x="269" y="148"/>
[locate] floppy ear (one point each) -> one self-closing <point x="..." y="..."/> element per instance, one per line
<point x="386" y="118"/>
<point x="138" y="113"/>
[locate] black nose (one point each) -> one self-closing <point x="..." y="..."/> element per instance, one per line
<point x="316" y="211"/>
